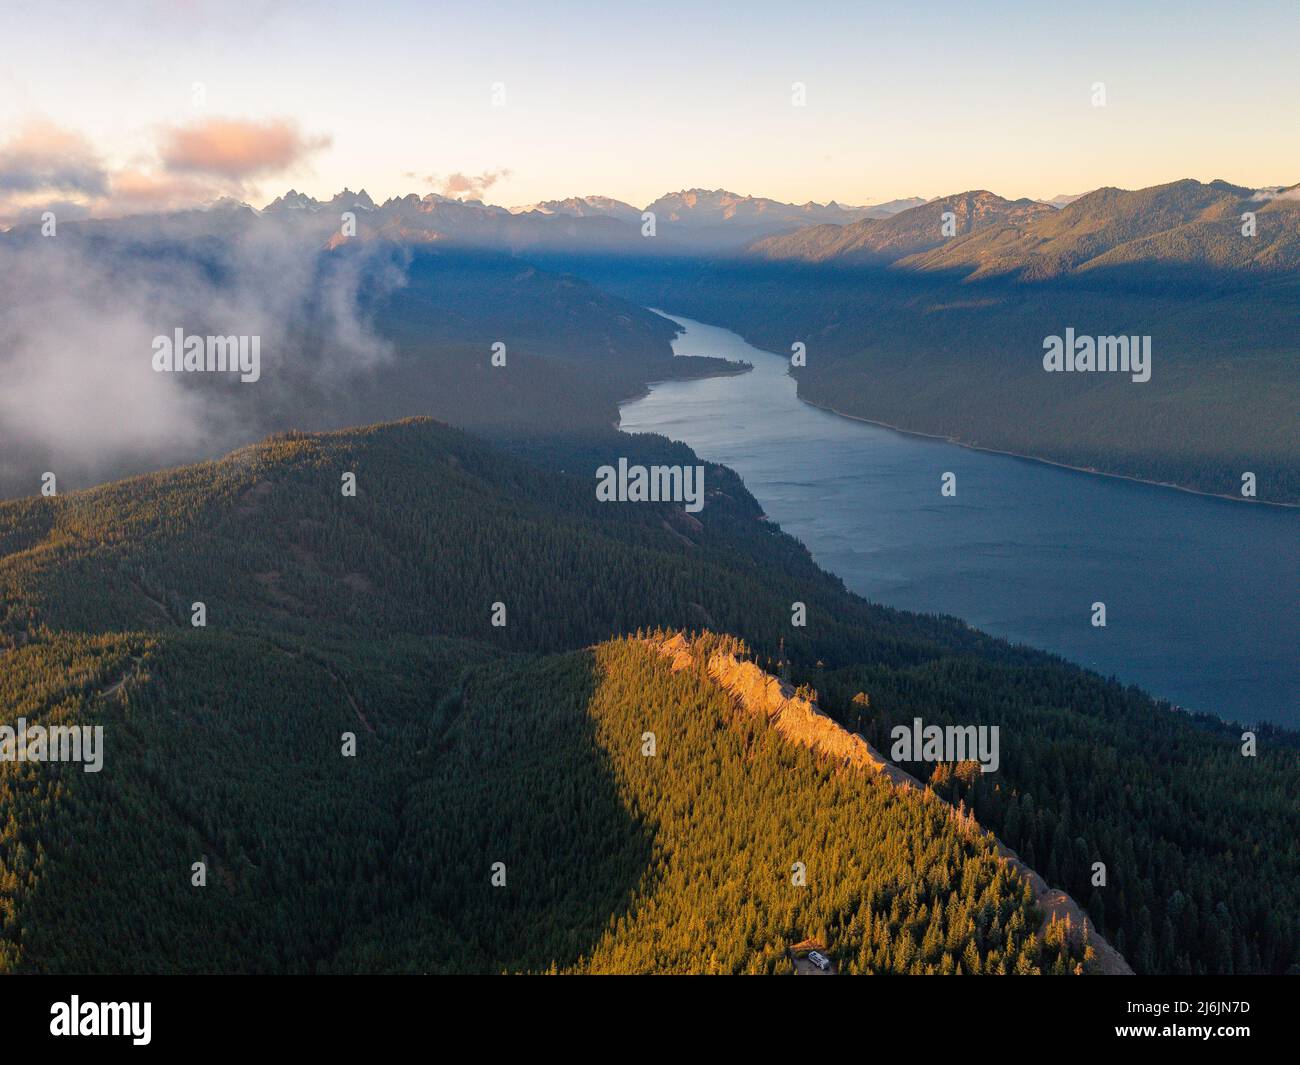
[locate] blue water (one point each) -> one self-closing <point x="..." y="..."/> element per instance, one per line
<point x="1200" y="593"/>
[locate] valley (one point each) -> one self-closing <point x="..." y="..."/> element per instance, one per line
<point x="739" y="489"/>
<point x="1022" y="550"/>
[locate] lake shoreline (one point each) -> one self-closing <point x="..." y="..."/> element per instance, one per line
<point x="976" y="447"/>
<point x="646" y="389"/>
<point x="1038" y="458"/>
<point x="1011" y="560"/>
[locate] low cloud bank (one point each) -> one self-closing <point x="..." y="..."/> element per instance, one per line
<point x="80" y="310"/>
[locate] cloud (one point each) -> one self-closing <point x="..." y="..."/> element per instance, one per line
<point x="236" y="149"/>
<point x="137" y="190"/>
<point x="67" y="318"/>
<point x="48" y="168"/>
<point x="1292" y="193"/>
<point x="463" y="186"/>
<point x="45" y="159"/>
<point x="77" y="320"/>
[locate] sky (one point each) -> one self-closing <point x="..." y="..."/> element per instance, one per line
<point x="143" y="103"/>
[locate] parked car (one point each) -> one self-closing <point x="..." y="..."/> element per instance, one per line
<point x="820" y="960"/>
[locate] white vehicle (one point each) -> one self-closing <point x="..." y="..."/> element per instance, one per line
<point x="820" y="960"/>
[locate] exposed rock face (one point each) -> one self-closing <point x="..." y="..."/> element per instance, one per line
<point x="800" y="721"/>
<point x="797" y="719"/>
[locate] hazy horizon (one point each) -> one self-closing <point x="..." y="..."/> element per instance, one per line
<point x="264" y="199"/>
<point x="176" y="105"/>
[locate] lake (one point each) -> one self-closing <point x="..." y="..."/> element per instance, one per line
<point x="1200" y="593"/>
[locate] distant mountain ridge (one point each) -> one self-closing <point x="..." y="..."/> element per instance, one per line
<point x="939" y="329"/>
<point x="584" y="207"/>
<point x="691" y="219"/>
<point x="1185" y="222"/>
<point x="1061" y="199"/>
<point x="908" y="232"/>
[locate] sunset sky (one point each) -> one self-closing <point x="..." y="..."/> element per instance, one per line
<point x="98" y="105"/>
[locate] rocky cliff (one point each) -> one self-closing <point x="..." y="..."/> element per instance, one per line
<point x="800" y="721"/>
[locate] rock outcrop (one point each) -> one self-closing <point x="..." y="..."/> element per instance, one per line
<point x="800" y="721"/>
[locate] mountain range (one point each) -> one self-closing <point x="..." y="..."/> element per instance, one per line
<point x="1182" y="222"/>
<point x="903" y="234"/>
<point x="697" y="220"/>
<point x="934" y="320"/>
<point x="1185" y="222"/>
<point x="473" y="719"/>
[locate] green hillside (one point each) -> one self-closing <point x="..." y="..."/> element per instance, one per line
<point x="521" y="744"/>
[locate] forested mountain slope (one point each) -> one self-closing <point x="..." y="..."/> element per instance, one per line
<point x="1184" y="223"/>
<point x="961" y="358"/>
<point x="908" y="233"/>
<point x="364" y="332"/>
<point x="613" y="861"/>
<point x="478" y="744"/>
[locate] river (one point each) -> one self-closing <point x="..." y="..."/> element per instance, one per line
<point x="1200" y="592"/>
